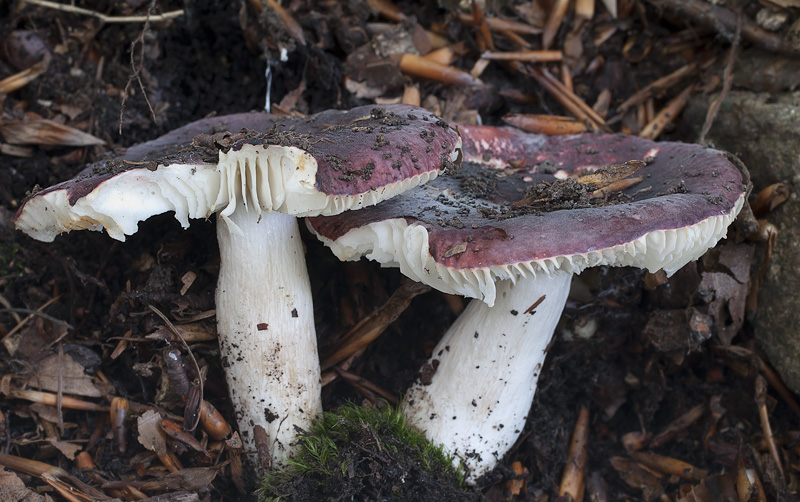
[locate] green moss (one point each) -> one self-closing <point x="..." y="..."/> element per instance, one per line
<point x="359" y="450"/>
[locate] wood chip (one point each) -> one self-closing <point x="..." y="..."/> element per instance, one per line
<point x="552" y="125"/>
<point x="45" y="132"/>
<point x="457" y="249"/>
<point x="573" y="479"/>
<point x="25" y="77"/>
<point x="667" y="115"/>
<point x="554" y="22"/>
<point x="575" y="105"/>
<point x="527" y="56"/>
<point x="421" y="67"/>
<point x="669" y="465"/>
<point x="678" y="425"/>
<point x="659" y="86"/>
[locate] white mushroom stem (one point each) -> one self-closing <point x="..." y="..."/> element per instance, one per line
<point x="265" y="322"/>
<point x="488" y="363"/>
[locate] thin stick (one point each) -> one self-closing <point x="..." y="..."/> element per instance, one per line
<point x="667" y="114"/>
<point x="369" y="328"/>
<point x="572" y="481"/>
<point x="362" y="383"/>
<point x="727" y="82"/>
<point x="516" y="39"/>
<point x="4" y="302"/>
<point x="136" y="71"/>
<point x="575" y="105"/>
<point x="37" y="312"/>
<point x="761" y="402"/>
<point x="60" y="393"/>
<point x="545" y="124"/>
<point x="484" y="35"/>
<point x="657" y="86"/>
<point x="51" y="399"/>
<point x="106" y="19"/>
<point x="526" y="56"/>
<point x="188" y="349"/>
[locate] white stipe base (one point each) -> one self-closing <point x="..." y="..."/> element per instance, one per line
<point x="265" y="321"/>
<point x="487" y="365"/>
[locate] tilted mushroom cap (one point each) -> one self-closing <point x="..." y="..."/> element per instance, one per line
<point x="527" y="211"/>
<point x="323" y="164"/>
<point x="460" y="233"/>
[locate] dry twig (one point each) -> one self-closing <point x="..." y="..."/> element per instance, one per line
<point x="370" y="328"/>
<point x="763" y="415"/>
<point x="105" y="18"/>
<point x="526" y="56"/>
<point x="667" y="114"/>
<point x="727" y="81"/>
<point x="573" y="479"/>
<point x="658" y="86"/>
<point x="545" y="124"/>
<point x="575" y="105"/>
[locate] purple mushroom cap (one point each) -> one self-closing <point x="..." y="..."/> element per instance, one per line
<point x="474" y="227"/>
<point x="257" y="172"/>
<point x="348" y="159"/>
<point x="522" y="215"/>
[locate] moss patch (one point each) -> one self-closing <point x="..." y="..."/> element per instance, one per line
<point x="364" y="453"/>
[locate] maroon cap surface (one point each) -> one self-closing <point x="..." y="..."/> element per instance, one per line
<point x="473" y="223"/>
<point x="175" y="147"/>
<point x="367" y="147"/>
<point x="342" y="159"/>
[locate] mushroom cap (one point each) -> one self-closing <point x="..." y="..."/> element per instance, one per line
<point x="323" y="164"/>
<point x="461" y="233"/>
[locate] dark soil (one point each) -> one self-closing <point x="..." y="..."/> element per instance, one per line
<point x="638" y="350"/>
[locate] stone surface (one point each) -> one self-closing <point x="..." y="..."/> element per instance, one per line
<point x="764" y="130"/>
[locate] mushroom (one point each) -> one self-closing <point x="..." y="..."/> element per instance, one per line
<point x="258" y="180"/>
<point x="513" y="237"/>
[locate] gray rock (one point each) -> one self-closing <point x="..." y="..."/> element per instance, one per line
<point x="764" y="130"/>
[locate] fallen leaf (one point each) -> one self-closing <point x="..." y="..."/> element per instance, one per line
<point x="727" y="305"/>
<point x="151" y="436"/>
<point x="74" y="380"/>
<point x="66" y="448"/>
<point x="12" y="489"/>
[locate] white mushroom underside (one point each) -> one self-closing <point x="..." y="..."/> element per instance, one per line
<point x="271" y="178"/>
<point x="395" y="243"/>
<point x="283" y="179"/>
